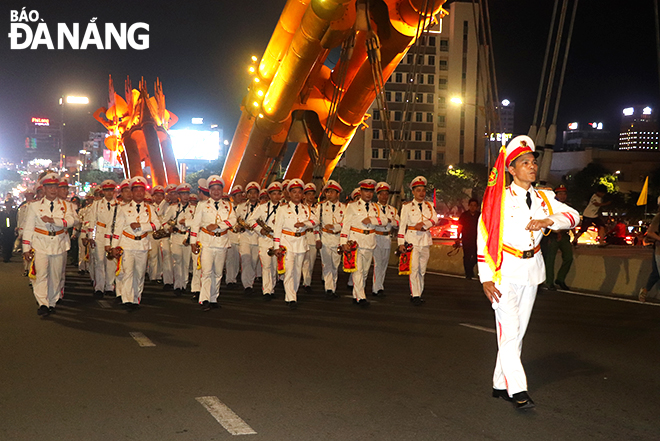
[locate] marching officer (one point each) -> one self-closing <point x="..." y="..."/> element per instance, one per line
<point x="22" y="213"/>
<point x="233" y="255"/>
<point x="249" y="239"/>
<point x="263" y="222"/>
<point x="291" y="224"/>
<point x="383" y="239"/>
<point x="102" y="218"/>
<point x="171" y="198"/>
<point x="129" y="243"/>
<point x="63" y="194"/>
<point x="509" y="259"/>
<point x="45" y="244"/>
<point x="417" y="217"/>
<point x="213" y="219"/>
<point x="155" y="264"/>
<point x="313" y="239"/>
<point x="361" y="217"/>
<point x="331" y="217"/>
<point x="180" y="214"/>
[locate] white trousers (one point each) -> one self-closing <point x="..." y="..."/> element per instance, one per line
<point x="249" y="261"/>
<point x="381" y="259"/>
<point x="130" y="281"/>
<point x="104" y="271"/>
<point x="166" y="261"/>
<point x="213" y="262"/>
<point x="180" y="262"/>
<point x="511" y="320"/>
<point x="293" y="266"/>
<point x="46" y="285"/>
<point x="308" y="265"/>
<point x="233" y="263"/>
<point x="330" y="260"/>
<point x="154" y="264"/>
<point x="419" y="258"/>
<point x="91" y="265"/>
<point x="363" y="262"/>
<point x="268" y="270"/>
<point x="196" y="283"/>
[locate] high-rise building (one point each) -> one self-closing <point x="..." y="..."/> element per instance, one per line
<point x="639" y="129"/>
<point x="42" y="140"/>
<point x="437" y="95"/>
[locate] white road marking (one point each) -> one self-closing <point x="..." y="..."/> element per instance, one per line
<point x="480" y="328"/>
<point x="104" y="304"/>
<point x="225" y="416"/>
<point x="142" y="339"/>
<point x="598" y="296"/>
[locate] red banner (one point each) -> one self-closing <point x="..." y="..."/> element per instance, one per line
<point x="492" y="216"/>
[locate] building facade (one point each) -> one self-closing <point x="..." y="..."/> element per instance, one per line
<point x="639" y="129"/>
<point x="435" y="108"/>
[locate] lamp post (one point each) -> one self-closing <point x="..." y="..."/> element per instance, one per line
<point x="68" y="100"/>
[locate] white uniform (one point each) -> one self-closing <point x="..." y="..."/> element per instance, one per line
<point x="411" y="214"/>
<point x="383" y="246"/>
<point x="331" y="215"/>
<point x="295" y="241"/>
<point x="233" y="255"/>
<point x="248" y="245"/>
<point x="363" y="235"/>
<point x="165" y="250"/>
<point x="181" y="252"/>
<point x="135" y="243"/>
<point x="214" y="243"/>
<point x="310" y="256"/>
<point x="520" y="276"/>
<point x="99" y="219"/>
<point x="76" y="222"/>
<point x="50" y="245"/>
<point x="21" y="217"/>
<point x="266" y="213"/>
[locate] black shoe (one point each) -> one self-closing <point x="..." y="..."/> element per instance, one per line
<point x="364" y="303"/>
<point x="308" y="289"/>
<point x="98" y="294"/>
<point x="118" y="299"/>
<point x="128" y="307"/>
<point x="349" y="287"/>
<point x="417" y="301"/>
<point x="329" y="294"/>
<point x="268" y="297"/>
<point x="355" y="301"/>
<point x="159" y="281"/>
<point x="502" y="393"/>
<point x="215" y="305"/>
<point x="195" y="297"/>
<point x="522" y="400"/>
<point x="374" y="294"/>
<point x="109" y="293"/>
<point x="562" y="285"/>
<point x="293" y="305"/>
<point x="80" y="272"/>
<point x="51" y="310"/>
<point x="43" y="311"/>
<point x="232" y="285"/>
<point x="381" y="293"/>
<point x="549" y="287"/>
<point x="248" y="291"/>
<point x="178" y="292"/>
<point x="206" y="306"/>
<point x="168" y="287"/>
<point x="258" y="279"/>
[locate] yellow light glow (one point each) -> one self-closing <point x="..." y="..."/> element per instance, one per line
<point x="260" y="92"/>
<point x="254" y="58"/>
<point x="456" y="100"/>
<point x="251" y="69"/>
<point x="77" y="100"/>
<point x="261" y="115"/>
<point x="255" y="104"/>
<point x="256" y="80"/>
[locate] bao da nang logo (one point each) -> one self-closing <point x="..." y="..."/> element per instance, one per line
<point x="29" y="31"/>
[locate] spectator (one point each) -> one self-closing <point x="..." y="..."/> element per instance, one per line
<point x="557" y="241"/>
<point x="467" y="235"/>
<point x="652" y="234"/>
<point x="591" y="216"/>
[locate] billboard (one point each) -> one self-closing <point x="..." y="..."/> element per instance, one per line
<point x="195" y="144"/>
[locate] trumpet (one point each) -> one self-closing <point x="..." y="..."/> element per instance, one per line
<point x="242" y="226"/>
<point x="165" y="230"/>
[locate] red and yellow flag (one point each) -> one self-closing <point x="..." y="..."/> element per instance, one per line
<point x="491" y="222"/>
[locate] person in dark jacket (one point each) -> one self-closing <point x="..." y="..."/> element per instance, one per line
<point x="467" y="236"/>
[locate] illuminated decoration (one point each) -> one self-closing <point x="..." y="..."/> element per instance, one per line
<point x="198" y="120"/>
<point x="40" y="121"/>
<point x="138" y="134"/>
<point x="501" y="137"/>
<point x="596" y="125"/>
<point x="456" y="100"/>
<point x="647" y="111"/>
<point x="628" y="111"/>
<point x="77" y="100"/>
<point x="305" y="101"/>
<point x="195" y="144"/>
<point x="506" y="103"/>
<point x="573" y="126"/>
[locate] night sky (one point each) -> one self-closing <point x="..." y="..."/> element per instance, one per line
<point x="201" y="49"/>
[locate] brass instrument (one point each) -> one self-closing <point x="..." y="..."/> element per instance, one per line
<point x="164" y="231"/>
<point x="242" y="226"/>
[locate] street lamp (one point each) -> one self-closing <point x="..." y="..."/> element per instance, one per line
<point x="70" y="99"/>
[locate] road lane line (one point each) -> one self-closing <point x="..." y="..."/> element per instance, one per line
<point x="104" y="304"/>
<point x="225" y="416"/>
<point x="142" y="339"/>
<point x="480" y="328"/>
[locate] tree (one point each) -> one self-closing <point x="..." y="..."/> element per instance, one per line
<point x="582" y="185"/>
<point x="212" y="168"/>
<point x="98" y="176"/>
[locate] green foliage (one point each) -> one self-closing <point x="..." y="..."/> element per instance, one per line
<point x="582" y="185"/>
<point x="98" y="176"/>
<point x="213" y="168"/>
